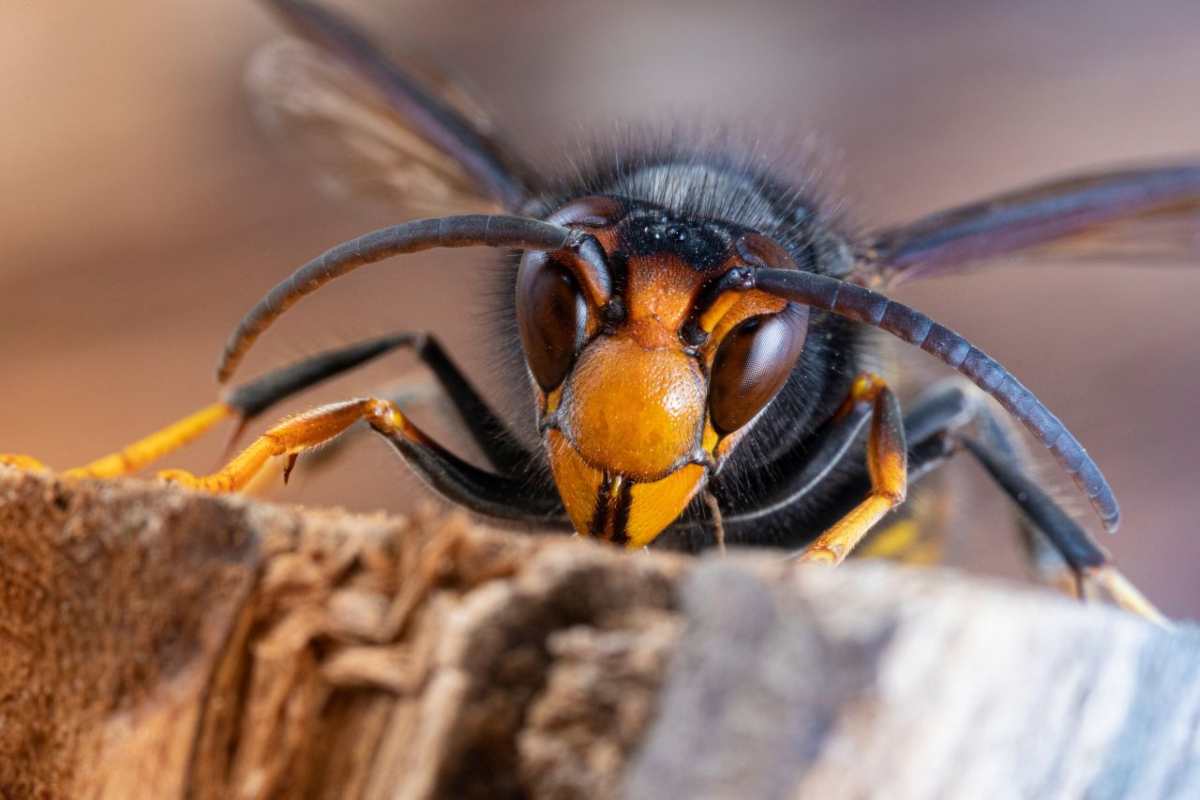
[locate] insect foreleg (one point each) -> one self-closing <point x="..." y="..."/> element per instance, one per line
<point x="460" y="482"/>
<point x="887" y="465"/>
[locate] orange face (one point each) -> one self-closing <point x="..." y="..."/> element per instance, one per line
<point x="650" y="359"/>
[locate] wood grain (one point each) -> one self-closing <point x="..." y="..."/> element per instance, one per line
<point x="155" y="642"/>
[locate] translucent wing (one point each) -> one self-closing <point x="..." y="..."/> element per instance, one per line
<point x="1168" y="237"/>
<point x="370" y="128"/>
<point x="1133" y="216"/>
<point x="354" y="143"/>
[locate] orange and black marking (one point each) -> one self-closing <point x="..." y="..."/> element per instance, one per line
<point x="610" y="519"/>
<point x="649" y="374"/>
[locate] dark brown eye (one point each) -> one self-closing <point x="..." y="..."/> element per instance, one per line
<point x="752" y="364"/>
<point x="552" y="317"/>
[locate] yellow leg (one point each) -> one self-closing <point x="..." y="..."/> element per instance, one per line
<point x="1107" y="583"/>
<point x="155" y="446"/>
<point x="21" y="462"/>
<point x="293" y="436"/>
<point x="142" y="452"/>
<point x="887" y="464"/>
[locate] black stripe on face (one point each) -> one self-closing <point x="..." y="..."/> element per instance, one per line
<point x="599" y="524"/>
<point x="620" y="523"/>
<point x="610" y="519"/>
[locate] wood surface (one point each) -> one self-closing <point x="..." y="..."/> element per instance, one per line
<point x="160" y="643"/>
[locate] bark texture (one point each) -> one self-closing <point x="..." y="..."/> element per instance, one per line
<point x="157" y="643"/>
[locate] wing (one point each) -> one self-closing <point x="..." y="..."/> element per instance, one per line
<point x="372" y="128"/>
<point x="1149" y="214"/>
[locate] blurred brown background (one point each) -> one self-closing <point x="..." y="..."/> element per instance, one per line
<point x="142" y="212"/>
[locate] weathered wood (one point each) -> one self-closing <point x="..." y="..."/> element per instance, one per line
<point x="881" y="682"/>
<point x="156" y="643"/>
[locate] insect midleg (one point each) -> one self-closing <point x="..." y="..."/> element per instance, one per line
<point x="1095" y="574"/>
<point x="1056" y="542"/>
<point x="887" y="466"/>
<point x="488" y="493"/>
<point x="999" y="435"/>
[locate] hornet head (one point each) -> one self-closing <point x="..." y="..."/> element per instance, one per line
<point x="651" y="356"/>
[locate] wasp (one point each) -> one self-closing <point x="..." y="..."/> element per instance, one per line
<point x="699" y="339"/>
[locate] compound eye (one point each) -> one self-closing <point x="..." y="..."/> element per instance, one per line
<point x="552" y="318"/>
<point x="752" y="364"/>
